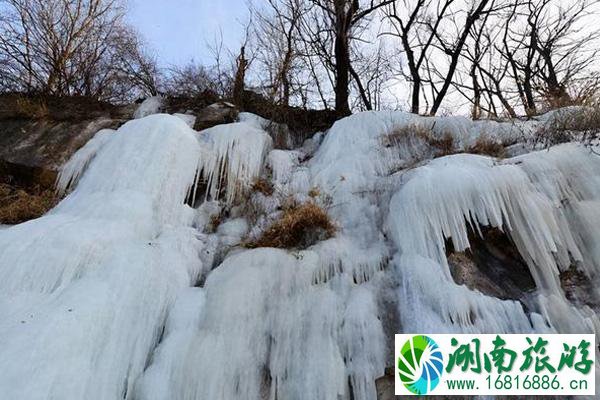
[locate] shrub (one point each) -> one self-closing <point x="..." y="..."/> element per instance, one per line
<point x="299" y="226"/>
<point x="17" y="205"/>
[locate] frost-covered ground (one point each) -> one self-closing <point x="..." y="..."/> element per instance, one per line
<point x="124" y="290"/>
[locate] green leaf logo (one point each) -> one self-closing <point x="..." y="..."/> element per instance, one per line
<point x="420" y="364"/>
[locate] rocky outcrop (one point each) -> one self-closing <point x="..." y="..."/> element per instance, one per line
<point x="38" y="135"/>
<point x="216" y="114"/>
<point x="492" y="266"/>
<point x="301" y="121"/>
<point x="31" y="152"/>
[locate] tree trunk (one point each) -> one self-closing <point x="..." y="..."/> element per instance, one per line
<point x="240" y="77"/>
<point x="416" y="89"/>
<point x="342" y="70"/>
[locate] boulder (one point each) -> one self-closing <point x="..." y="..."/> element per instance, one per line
<point x="216" y="114"/>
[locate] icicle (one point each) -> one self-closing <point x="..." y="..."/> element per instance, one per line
<point x="433" y="303"/>
<point x="282" y="164"/>
<point x="442" y="196"/>
<point x="235" y="154"/>
<point x="342" y="255"/>
<point x="535" y="198"/>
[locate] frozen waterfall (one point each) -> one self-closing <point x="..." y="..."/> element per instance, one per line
<point x="123" y="292"/>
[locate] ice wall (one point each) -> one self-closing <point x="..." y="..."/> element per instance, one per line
<point x="115" y="293"/>
<point x="85" y="290"/>
<point x="233" y="158"/>
<point x="268" y="332"/>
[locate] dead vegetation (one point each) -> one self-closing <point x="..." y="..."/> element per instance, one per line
<point x="571" y="124"/>
<point x="314" y="192"/>
<point x="214" y="222"/>
<point x="261" y="185"/>
<point x="18" y="205"/>
<point x="484" y="145"/>
<point x="31" y="108"/>
<point x="299" y="226"/>
<point x="442" y="145"/>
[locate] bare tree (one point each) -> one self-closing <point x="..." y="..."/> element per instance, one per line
<point x="135" y="64"/>
<point x="483" y="75"/>
<point x="277" y="34"/>
<point x="192" y="79"/>
<point x="549" y="49"/>
<point x="242" y="65"/>
<point x="71" y="47"/>
<point x="337" y="24"/>
<point x="563" y="47"/>
<point x="371" y="70"/>
<point x="434" y="28"/>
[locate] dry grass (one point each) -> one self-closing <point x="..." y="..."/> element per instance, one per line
<point x="442" y="146"/>
<point x="299" y="226"/>
<point x="314" y="192"/>
<point x="17" y="205"/>
<point x="31" y="108"/>
<point x="263" y="186"/>
<point x="213" y="224"/>
<point x="582" y="125"/>
<point x="486" y="146"/>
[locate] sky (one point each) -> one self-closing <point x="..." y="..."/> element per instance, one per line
<point x="178" y="31"/>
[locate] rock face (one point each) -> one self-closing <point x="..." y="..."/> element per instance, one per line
<point x="31" y="152"/>
<point x="38" y="136"/>
<point x="216" y="114"/>
<point x="385" y="385"/>
<point x="492" y="266"/>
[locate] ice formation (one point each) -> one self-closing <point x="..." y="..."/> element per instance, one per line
<point x="85" y="289"/>
<point x="235" y="154"/>
<point x="284" y="337"/>
<point x="128" y="290"/>
<point x="151" y="105"/>
<point x="532" y="198"/>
